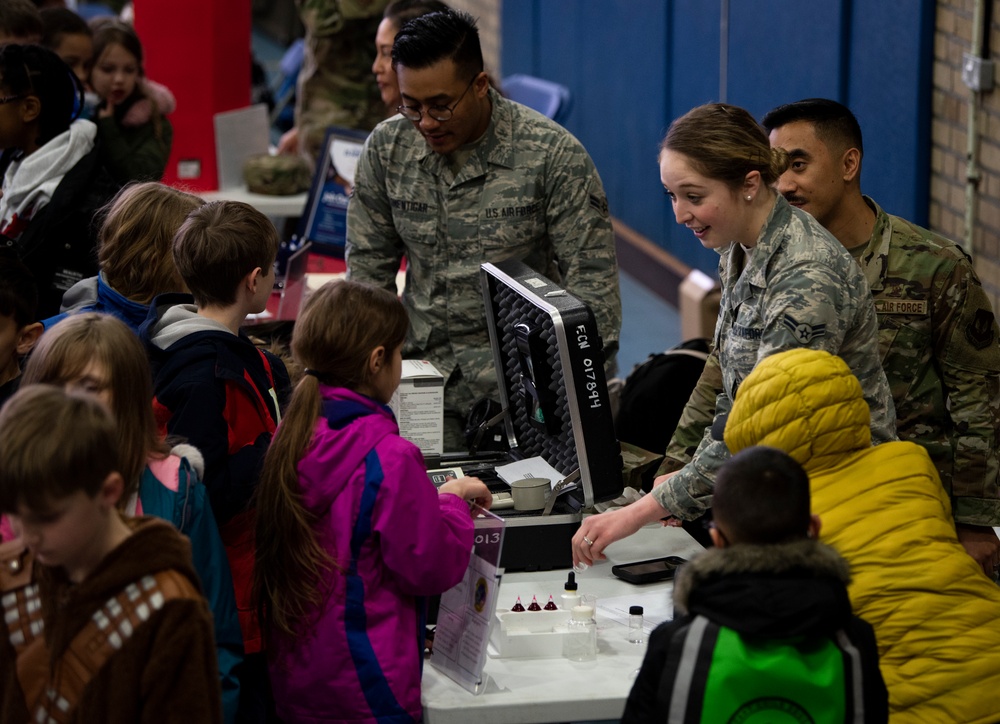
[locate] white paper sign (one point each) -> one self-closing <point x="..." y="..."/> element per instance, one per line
<point x="463" y="629"/>
<point x="345" y="155"/>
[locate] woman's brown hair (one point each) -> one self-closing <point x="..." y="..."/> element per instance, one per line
<point x="725" y="143"/>
<point x="63" y="354"/>
<point x="135" y="243"/>
<point x="341" y="324"/>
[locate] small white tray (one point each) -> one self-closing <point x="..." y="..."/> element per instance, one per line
<point x="528" y="634"/>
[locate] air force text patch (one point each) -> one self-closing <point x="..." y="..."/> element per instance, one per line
<point x="803" y="333"/>
<point x="916" y="307"/>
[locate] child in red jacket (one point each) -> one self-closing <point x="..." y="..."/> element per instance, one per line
<point x="214" y="388"/>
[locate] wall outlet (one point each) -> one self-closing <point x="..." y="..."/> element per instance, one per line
<point x="977" y="73"/>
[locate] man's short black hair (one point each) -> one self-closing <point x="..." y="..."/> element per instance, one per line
<point x="762" y="496"/>
<point x="835" y="124"/>
<point x="434" y="37"/>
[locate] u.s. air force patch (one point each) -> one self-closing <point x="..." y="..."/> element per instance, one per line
<point x="980" y="332"/>
<point x="802" y="332"/>
<point x="916" y="307"/>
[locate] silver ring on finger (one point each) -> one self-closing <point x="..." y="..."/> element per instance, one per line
<point x="588" y="541"/>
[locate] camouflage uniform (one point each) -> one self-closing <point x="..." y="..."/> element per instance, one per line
<point x="938" y="341"/>
<point x="528" y="191"/>
<point x="798" y="289"/>
<point x="336" y="86"/>
<point x="938" y="344"/>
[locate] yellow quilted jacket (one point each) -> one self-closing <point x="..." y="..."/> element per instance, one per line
<point x="936" y="616"/>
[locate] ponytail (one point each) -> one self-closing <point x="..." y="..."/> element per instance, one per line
<point x="289" y="573"/>
<point x="340" y="324"/>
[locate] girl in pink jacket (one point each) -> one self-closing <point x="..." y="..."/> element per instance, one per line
<point x="351" y="533"/>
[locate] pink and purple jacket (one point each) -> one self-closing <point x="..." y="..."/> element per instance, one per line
<point x="395" y="540"/>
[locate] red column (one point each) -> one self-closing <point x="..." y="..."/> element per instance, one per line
<point x="200" y="50"/>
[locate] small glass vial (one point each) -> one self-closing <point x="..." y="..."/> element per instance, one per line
<point x="534" y="606"/>
<point x="580" y="641"/>
<point x="635" y="633"/>
<point x="551" y="605"/>
<point x="518" y="606"/>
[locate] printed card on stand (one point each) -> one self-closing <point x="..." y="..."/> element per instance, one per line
<point x="463" y="629"/>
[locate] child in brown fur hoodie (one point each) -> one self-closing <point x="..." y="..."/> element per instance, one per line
<point x="103" y="619"/>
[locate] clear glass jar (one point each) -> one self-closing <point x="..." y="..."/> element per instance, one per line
<point x="636" y="635"/>
<point x="580" y="641"/>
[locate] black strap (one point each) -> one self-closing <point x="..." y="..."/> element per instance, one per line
<point x="685" y="672"/>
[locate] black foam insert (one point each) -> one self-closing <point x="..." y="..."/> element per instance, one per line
<point x="559" y="450"/>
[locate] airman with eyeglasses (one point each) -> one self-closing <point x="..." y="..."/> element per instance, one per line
<point x="462" y="176"/>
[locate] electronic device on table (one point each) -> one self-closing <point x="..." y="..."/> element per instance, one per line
<point x="658" y="569"/>
<point x="549" y="359"/>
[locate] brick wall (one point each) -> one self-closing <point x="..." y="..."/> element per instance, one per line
<point x="950" y="109"/>
<point x="487" y="14"/>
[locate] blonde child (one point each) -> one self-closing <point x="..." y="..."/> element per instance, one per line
<point x="102" y="617"/>
<point x="98" y="354"/>
<point x="351" y="533"/>
<point x="131" y="118"/>
<point x="134" y="253"/>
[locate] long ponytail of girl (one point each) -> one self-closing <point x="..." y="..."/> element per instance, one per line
<point x="340" y="325"/>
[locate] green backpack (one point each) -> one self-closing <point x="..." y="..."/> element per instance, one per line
<point x="714" y="674"/>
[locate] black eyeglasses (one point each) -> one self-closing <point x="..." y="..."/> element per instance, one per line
<point x="438" y="113"/>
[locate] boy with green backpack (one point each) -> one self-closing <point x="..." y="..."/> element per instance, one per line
<point x="764" y="625"/>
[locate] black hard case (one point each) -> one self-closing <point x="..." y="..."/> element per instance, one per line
<point x="582" y="432"/>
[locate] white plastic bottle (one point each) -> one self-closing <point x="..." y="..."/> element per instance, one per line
<point x="570" y="596"/>
<point x="580" y="642"/>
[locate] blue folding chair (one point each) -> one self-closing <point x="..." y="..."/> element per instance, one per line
<point x="548" y="98"/>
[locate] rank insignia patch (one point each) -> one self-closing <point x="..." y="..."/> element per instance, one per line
<point x="599" y="203"/>
<point x="803" y="333"/>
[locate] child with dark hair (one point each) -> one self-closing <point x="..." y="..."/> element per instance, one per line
<point x="103" y="619"/>
<point x="763" y="620"/>
<point x="350" y="533"/>
<point x="53" y="181"/>
<point x="131" y="118"/>
<point x="67" y="35"/>
<point x="19" y="22"/>
<point x="218" y="391"/>
<point x="19" y="327"/>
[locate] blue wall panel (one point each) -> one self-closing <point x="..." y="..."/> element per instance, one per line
<point x="891" y="56"/>
<point x="634" y="65"/>
<point x="694" y="80"/>
<point x="519" y="24"/>
<point x="784" y="50"/>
